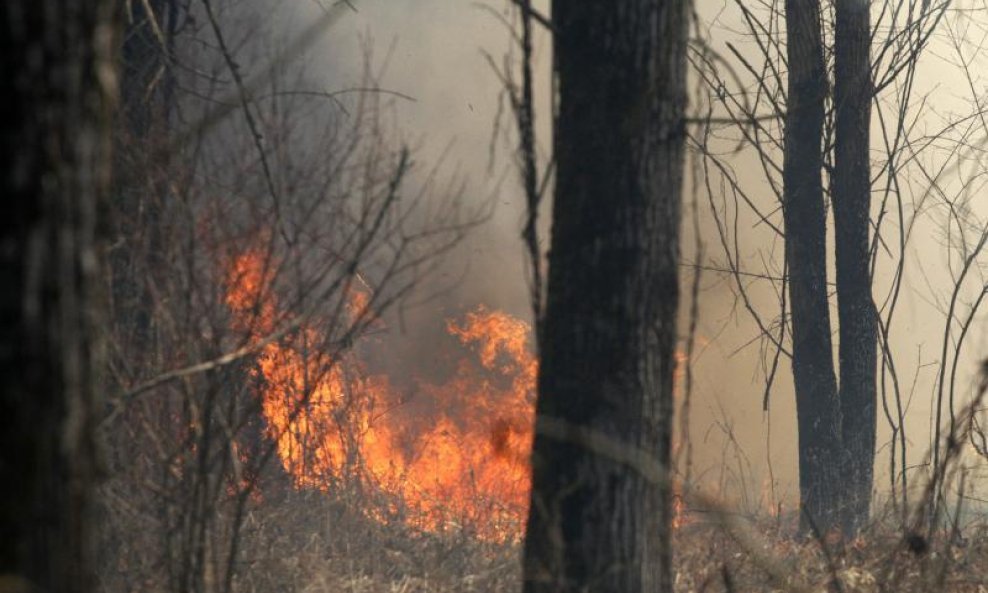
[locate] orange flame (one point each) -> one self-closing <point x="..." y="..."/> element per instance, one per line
<point x="457" y="455"/>
<point x="678" y="510"/>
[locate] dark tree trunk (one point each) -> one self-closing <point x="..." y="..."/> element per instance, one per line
<point x="609" y="329"/>
<point x="856" y="309"/>
<point x="56" y="58"/>
<point x="817" y="405"/>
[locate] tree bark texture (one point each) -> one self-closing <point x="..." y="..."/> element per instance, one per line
<point x="609" y="332"/>
<point x="817" y="404"/>
<point x="855" y="307"/>
<point x="56" y="56"/>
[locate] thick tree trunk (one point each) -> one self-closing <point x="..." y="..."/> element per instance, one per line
<point x="609" y="330"/>
<point x="56" y="58"/>
<point x="852" y="206"/>
<point x="817" y="405"/>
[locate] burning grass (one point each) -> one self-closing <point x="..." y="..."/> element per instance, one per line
<point x="455" y="454"/>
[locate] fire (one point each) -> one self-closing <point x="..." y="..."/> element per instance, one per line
<point x="769" y="500"/>
<point x="678" y="509"/>
<point x="454" y="454"/>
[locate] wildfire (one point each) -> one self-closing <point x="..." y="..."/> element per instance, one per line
<point x="455" y="454"/>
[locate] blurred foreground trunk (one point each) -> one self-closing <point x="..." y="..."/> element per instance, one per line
<point x="57" y="63"/>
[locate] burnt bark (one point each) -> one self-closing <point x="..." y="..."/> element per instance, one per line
<point x="817" y="404"/>
<point x="56" y="57"/>
<point x="609" y="329"/>
<point x="858" y="346"/>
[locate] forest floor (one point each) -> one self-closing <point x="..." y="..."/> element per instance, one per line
<point x="344" y="552"/>
<point x="767" y="556"/>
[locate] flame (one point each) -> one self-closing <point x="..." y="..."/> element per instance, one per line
<point x="678" y="509"/>
<point x="769" y="500"/>
<point x="457" y="454"/>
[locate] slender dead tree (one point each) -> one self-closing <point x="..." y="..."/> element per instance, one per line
<point x="858" y="346"/>
<point x="147" y="85"/>
<point x="805" y="223"/>
<point x="605" y="387"/>
<point x="147" y="105"/>
<point x="58" y="59"/>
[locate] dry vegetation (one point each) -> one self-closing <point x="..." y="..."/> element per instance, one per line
<point x="316" y="542"/>
<point x="882" y="559"/>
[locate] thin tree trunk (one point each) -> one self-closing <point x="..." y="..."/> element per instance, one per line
<point x="146" y="80"/>
<point x="57" y="58"/>
<point x="858" y="347"/>
<point x="817" y="406"/>
<point x="146" y="105"/>
<point x="610" y="322"/>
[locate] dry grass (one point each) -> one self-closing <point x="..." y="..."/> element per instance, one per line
<point x="312" y="541"/>
<point x="309" y="543"/>
<point x="883" y="559"/>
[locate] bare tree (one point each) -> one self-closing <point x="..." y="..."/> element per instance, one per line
<point x="605" y="387"/>
<point x="836" y="427"/>
<point x="858" y="341"/>
<point x="803" y="209"/>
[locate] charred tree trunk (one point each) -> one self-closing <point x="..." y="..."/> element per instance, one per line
<point x="817" y="404"/>
<point x="852" y="206"/>
<point x="57" y="58"/>
<point x="597" y="521"/>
